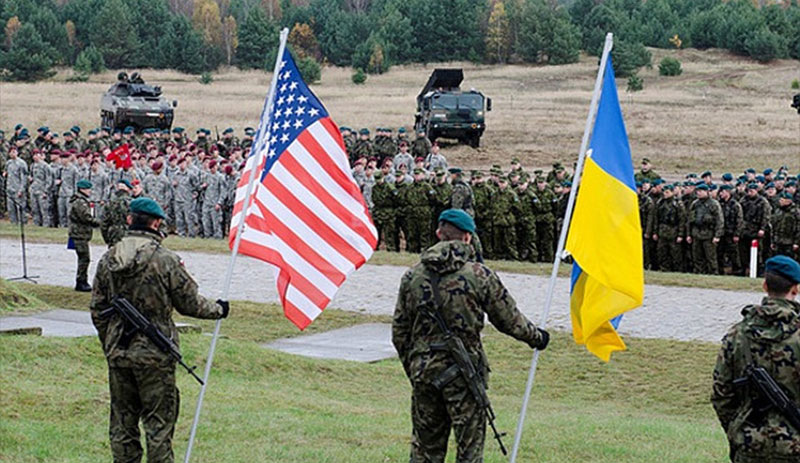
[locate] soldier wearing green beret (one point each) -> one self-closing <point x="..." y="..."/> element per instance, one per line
<point x="463" y="292"/>
<point x="504" y="209"/>
<point x="669" y="230"/>
<point x="767" y="337"/>
<point x="141" y="377"/>
<point x="785" y="221"/>
<point x="482" y="193"/>
<point x="416" y="210"/>
<point x="756" y="212"/>
<point x="646" y="172"/>
<point x="384" y="212"/>
<point x="421" y="145"/>
<point x="728" y="249"/>
<point x="705" y="226"/>
<point x="362" y="148"/>
<point x="81" y="223"/>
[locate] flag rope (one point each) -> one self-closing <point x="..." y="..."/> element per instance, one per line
<point x="562" y="239"/>
<point x="240" y="228"/>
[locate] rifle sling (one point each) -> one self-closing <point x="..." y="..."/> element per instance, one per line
<point x="453" y="371"/>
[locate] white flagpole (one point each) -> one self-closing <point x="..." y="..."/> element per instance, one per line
<point x="563" y="238"/>
<point x="240" y="228"/>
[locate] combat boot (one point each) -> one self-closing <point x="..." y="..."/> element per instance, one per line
<point x="82" y="286"/>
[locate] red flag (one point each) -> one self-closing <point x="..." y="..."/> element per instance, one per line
<point x="121" y="157"/>
<point x="306" y="216"/>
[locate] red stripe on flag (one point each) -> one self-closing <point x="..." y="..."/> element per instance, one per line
<point x="330" y="166"/>
<point x="274" y="225"/>
<point x="298" y="171"/>
<point x="291" y="312"/>
<point x="312" y="221"/>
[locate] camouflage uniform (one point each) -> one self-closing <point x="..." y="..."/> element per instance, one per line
<point x="468" y="290"/>
<point x="185" y="187"/>
<point x="440" y="200"/>
<point x="383" y="214"/>
<point x="41" y="180"/>
<point x="81" y="223"/>
<point x="141" y="377"/>
<point x="483" y="193"/>
<point x="16" y="186"/>
<point x="705" y="222"/>
<point x="526" y="225"/>
<point x="786" y="230"/>
<point x="362" y="148"/>
<point x="769" y="336"/>
<point x="756" y="213"/>
<point x="462" y="197"/>
<point x="67" y="188"/>
<point x="417" y="212"/>
<point x="503" y="216"/>
<point x="647" y="218"/>
<point x="114" y="221"/>
<point x="669" y="226"/>
<point x="420" y="147"/>
<point x="213" y="198"/>
<point x="158" y="187"/>
<point x="100" y="187"/>
<point x="545" y="220"/>
<point x="728" y="249"/>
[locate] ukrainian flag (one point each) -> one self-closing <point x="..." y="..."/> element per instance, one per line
<point x="605" y="235"/>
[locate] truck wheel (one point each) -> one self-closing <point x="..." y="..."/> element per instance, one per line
<point x="475" y="141"/>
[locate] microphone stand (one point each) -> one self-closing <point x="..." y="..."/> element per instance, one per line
<point x="21" y="214"/>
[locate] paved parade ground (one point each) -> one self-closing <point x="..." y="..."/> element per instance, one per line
<point x="668" y="312"/>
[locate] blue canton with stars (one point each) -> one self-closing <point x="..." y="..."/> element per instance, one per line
<point x="295" y="108"/>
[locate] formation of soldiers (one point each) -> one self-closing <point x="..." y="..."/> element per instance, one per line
<point x="194" y="181"/>
<point x="708" y="224"/>
<point x="702" y="224"/>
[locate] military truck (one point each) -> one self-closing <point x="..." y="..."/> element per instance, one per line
<point x="444" y="110"/>
<point x="131" y="102"/>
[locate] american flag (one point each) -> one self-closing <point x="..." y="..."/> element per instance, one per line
<point x="307" y="216"/>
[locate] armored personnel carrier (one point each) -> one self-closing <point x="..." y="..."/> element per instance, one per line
<point x="132" y="102"/>
<point x="444" y="110"/>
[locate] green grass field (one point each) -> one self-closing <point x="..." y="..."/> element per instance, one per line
<point x="649" y="404"/>
<point x="35" y="234"/>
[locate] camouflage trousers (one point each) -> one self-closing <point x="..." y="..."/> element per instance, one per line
<point x="212" y="222"/>
<point x="184" y="219"/>
<point x="434" y="412"/>
<point x="84" y="258"/>
<point x="387" y="233"/>
<point x="16" y="204"/>
<point x="419" y="234"/>
<point x="544" y="241"/>
<point x="526" y="240"/>
<point x="728" y="256"/>
<point x="504" y="242"/>
<point x="63" y="211"/>
<point x="704" y="256"/>
<point x="484" y="233"/>
<point x="669" y="254"/>
<point x="148" y="395"/>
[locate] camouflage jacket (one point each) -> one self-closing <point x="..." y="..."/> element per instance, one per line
<point x="705" y="219"/>
<point x="772" y="331"/>
<point x="670" y="220"/>
<point x="362" y="148"/>
<point x="115" y="218"/>
<point x="544" y="208"/>
<point x="756" y="211"/>
<point x="415" y="199"/>
<point x="153" y="279"/>
<point x="420" y="147"/>
<point x="69" y="180"/>
<point x="482" y="196"/>
<point x="81" y="221"/>
<point x="383" y="202"/>
<point x="462" y="197"/>
<point x="732" y="215"/>
<point x="647" y="214"/>
<point x="786" y="226"/>
<point x="468" y="290"/>
<point x="504" y="207"/>
<point x="442" y="193"/>
<point x="41" y="178"/>
<point x="16" y="175"/>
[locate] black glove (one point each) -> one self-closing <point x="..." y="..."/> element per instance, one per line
<point x="226" y="307"/>
<point x="545" y="339"/>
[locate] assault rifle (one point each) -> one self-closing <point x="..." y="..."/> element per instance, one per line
<point x="463" y="363"/>
<point x="135" y="322"/>
<point x="770" y="394"/>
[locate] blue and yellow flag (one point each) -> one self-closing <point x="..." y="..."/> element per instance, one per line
<point x="605" y="235"/>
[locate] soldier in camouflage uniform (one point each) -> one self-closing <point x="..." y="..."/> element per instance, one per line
<point x="67" y="184"/>
<point x="756" y="211"/>
<point x="769" y="337"/>
<point x="705" y="226"/>
<point x="646" y="217"/>
<point x="646" y="172"/>
<point x="421" y="146"/>
<point x="545" y="220"/>
<point x="468" y="291"/>
<point x="669" y="230"/>
<point x="786" y="227"/>
<point x="403" y="158"/>
<point x="417" y="212"/>
<point x="100" y="182"/>
<point x="141" y="377"/>
<point x="728" y="250"/>
<point x="114" y="222"/>
<point x="441" y="199"/>
<point x="81" y="223"/>
<point x="526" y="222"/>
<point x="383" y="212"/>
<point x="483" y="194"/>
<point x="184" y="185"/>
<point x="504" y="220"/>
<point x="16" y="185"/>
<point x="157" y="186"/>
<point x="41" y="180"/>
<point x="362" y="148"/>
<point x="213" y="197"/>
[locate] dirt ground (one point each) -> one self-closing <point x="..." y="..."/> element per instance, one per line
<point x="724" y="113"/>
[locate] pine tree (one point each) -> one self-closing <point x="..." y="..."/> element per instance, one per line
<point x="28" y="58"/>
<point x="258" y="36"/>
<point x="113" y="34"/>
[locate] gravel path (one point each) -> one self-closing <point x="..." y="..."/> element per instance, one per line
<point x="667" y="312"/>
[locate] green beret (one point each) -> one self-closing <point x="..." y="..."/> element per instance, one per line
<point x="401" y="130"/>
<point x="752" y="186"/>
<point x="82" y="184"/>
<point x="76" y="129"/>
<point x="725" y="187"/>
<point x="645" y="161"/>
<point x="363" y="132"/>
<point x="125" y="182"/>
<point x="147" y="206"/>
<point x="459" y="219"/>
<point x="454" y="170"/>
<point x="177" y="130"/>
<point x="567" y="184"/>
<point x="786" y="195"/>
<point x="727" y="177"/>
<point x="377" y="175"/>
<point x="669" y="187"/>
<point x="702" y="186"/>
<point x="227" y="131"/>
<point x="706" y="174"/>
<point x="781" y="265"/>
